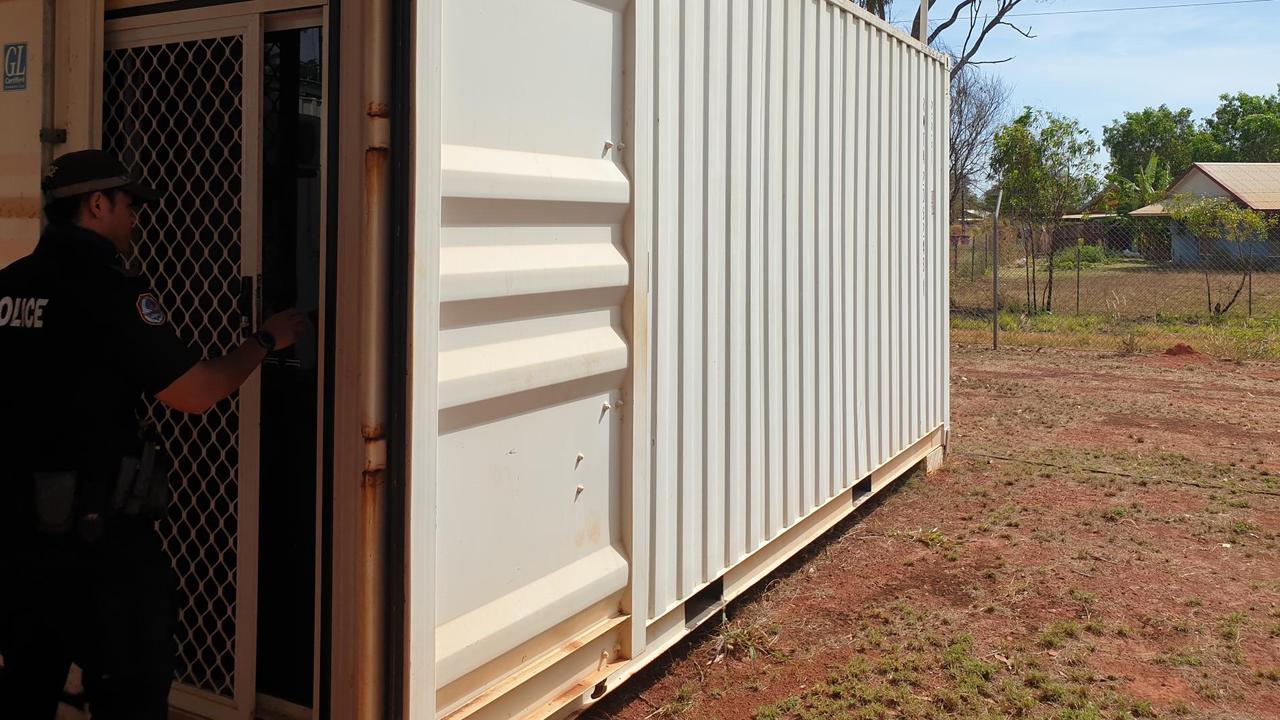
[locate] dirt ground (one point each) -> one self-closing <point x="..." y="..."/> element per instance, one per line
<point x="1103" y="542"/>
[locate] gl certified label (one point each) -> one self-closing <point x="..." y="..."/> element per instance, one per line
<point x="15" y="66"/>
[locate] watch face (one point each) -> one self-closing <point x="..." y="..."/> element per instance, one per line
<point x="267" y="339"/>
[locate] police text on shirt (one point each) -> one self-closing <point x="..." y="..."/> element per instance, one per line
<point x="22" y="312"/>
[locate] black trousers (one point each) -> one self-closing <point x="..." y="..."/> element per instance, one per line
<point x="108" y="607"/>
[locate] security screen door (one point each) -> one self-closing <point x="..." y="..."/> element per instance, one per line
<point x="181" y="104"/>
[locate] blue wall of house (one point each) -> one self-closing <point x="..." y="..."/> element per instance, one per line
<point x="1186" y="251"/>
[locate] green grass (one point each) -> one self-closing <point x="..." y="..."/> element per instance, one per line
<point x="681" y="702"/>
<point x="747" y="640"/>
<point x="1115" y="514"/>
<point x="1058" y="633"/>
<point x="1234" y="338"/>
<point x="1084" y="598"/>
<point x="951" y="677"/>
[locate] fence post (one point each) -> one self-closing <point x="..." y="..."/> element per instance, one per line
<point x="995" y="273"/>
<point x="1079" y="242"/>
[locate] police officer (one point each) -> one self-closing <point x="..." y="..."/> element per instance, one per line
<point x="83" y="575"/>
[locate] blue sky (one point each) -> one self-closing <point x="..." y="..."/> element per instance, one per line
<point x="1095" y="67"/>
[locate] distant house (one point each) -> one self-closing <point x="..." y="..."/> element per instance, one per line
<point x="962" y="227"/>
<point x="1253" y="185"/>
<point x="1094" y="224"/>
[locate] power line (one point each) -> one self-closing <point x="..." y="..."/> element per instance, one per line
<point x="1096" y="10"/>
<point x="1092" y="11"/>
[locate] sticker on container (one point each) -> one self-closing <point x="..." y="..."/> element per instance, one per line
<point x="15" y="66"/>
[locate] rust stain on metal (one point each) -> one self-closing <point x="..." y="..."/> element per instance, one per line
<point x="372" y="479"/>
<point x="375" y="457"/>
<point x="375" y="454"/>
<point x="378" y="110"/>
<point x="375" y="162"/>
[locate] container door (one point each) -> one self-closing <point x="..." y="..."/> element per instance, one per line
<point x="534" y="271"/>
<point x="180" y="104"/>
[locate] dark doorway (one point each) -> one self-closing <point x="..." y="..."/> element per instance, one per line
<point x="292" y="207"/>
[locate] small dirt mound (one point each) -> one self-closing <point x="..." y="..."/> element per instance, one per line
<point x="1181" y="349"/>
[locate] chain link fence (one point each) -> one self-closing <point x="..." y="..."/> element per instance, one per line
<point x="1131" y="283"/>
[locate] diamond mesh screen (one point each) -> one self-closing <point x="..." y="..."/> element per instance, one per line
<point x="174" y="112"/>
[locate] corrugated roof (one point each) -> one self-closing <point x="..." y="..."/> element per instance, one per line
<point x="1255" y="184"/>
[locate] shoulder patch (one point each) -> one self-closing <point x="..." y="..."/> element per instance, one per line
<point x="149" y="309"/>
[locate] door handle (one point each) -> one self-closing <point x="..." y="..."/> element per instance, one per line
<point x="247" y="303"/>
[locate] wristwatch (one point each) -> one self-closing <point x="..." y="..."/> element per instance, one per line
<point x="265" y="339"/>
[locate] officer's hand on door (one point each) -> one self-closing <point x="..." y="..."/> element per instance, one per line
<point x="286" y="326"/>
<point x="209" y="381"/>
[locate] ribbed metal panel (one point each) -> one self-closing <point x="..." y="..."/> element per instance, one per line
<point x="796" y="298"/>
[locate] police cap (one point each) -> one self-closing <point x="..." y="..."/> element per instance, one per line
<point x="86" y="171"/>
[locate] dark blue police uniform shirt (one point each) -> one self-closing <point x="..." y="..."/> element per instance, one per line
<point x="81" y="341"/>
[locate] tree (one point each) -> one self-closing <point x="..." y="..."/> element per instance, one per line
<point x="1209" y="219"/>
<point x="1044" y="161"/>
<point x="1244" y="128"/>
<point x="1260" y="138"/>
<point x="1126" y="194"/>
<point x="982" y="17"/>
<point x="979" y="105"/>
<point x="879" y="8"/>
<point x="1170" y="134"/>
<point x="1145" y="187"/>
<point x="1247" y="127"/>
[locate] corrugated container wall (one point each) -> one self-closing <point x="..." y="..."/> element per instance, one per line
<point x="688" y="267"/>
<point x="798" y="271"/>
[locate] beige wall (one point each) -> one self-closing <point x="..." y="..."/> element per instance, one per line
<point x="20" y="161"/>
<point x="76" y="108"/>
<point x="1197" y="183"/>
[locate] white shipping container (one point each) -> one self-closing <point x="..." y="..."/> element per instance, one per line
<point x="691" y="308"/>
<point x="619" y="304"/>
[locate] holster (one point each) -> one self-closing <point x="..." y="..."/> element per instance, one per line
<point x="142" y="485"/>
<point x="64" y="500"/>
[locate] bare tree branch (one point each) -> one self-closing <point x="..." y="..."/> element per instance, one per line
<point x="1024" y="33"/>
<point x="982" y="19"/>
<point x="979" y="106"/>
<point x="993" y="22"/>
<point x="955" y="15"/>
